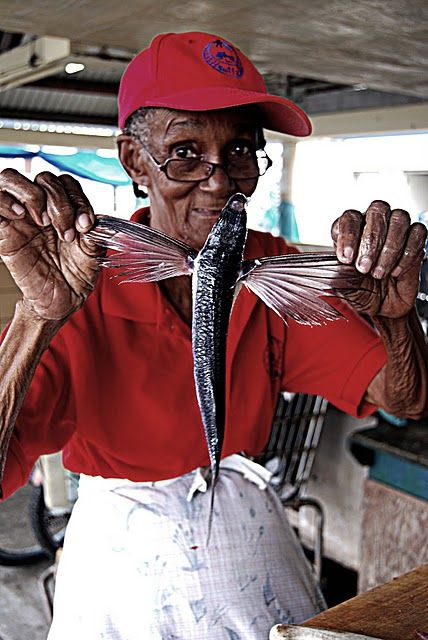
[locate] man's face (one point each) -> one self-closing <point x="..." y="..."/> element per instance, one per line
<point x="188" y="210"/>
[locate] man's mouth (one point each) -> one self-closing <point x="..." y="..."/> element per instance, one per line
<point x="206" y="212"/>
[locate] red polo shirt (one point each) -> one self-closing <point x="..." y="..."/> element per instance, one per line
<point x="115" y="389"/>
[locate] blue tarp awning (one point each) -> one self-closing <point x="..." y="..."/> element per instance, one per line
<point x="83" y="163"/>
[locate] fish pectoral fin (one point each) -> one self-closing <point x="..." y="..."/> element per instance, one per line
<point x="142" y="254"/>
<point x="297" y="286"/>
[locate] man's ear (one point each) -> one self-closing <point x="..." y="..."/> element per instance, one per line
<point x="131" y="160"/>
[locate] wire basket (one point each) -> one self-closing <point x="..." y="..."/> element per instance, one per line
<point x="290" y="451"/>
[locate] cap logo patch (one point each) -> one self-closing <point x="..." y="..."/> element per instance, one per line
<point x="222" y="57"/>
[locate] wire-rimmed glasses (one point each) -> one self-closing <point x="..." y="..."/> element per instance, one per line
<point x="196" y="168"/>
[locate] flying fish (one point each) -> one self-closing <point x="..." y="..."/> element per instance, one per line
<point x="295" y="286"/>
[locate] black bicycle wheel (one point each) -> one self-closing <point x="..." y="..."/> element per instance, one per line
<point x="18" y="544"/>
<point x="48" y="527"/>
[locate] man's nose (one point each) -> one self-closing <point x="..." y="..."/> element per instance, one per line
<point x="219" y="181"/>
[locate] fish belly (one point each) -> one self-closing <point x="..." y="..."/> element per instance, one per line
<point x="211" y="312"/>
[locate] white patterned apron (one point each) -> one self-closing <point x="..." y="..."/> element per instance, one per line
<point x="135" y="564"/>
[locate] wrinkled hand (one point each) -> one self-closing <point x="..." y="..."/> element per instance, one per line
<point x="385" y="246"/>
<point x="42" y="241"/>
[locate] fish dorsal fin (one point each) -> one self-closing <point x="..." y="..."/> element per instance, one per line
<point x="296" y="285"/>
<point x="140" y="253"/>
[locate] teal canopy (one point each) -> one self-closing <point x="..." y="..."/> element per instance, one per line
<point x="287" y="222"/>
<point x="83" y="163"/>
<point x="15" y="152"/>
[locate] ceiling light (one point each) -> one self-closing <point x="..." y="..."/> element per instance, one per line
<point x="74" y="67"/>
<point x="58" y="150"/>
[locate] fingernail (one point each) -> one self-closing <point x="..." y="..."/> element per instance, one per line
<point x="348" y="253"/>
<point x="364" y="264"/>
<point x="69" y="235"/>
<point x="18" y="209"/>
<point x="396" y="272"/>
<point x="379" y="272"/>
<point x="84" y="220"/>
<point x="45" y="219"/>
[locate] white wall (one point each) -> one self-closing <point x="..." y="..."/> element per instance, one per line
<point x="332" y="174"/>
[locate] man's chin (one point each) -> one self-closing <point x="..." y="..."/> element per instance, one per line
<point x="196" y="234"/>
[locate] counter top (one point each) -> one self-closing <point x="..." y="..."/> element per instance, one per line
<point x="409" y="442"/>
<point x="392" y="611"/>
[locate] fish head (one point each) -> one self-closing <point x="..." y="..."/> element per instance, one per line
<point x="236" y="202"/>
<point x="231" y="226"/>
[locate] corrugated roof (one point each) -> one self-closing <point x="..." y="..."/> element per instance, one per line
<point x="381" y="44"/>
<point x="45" y="101"/>
<point x="312" y="53"/>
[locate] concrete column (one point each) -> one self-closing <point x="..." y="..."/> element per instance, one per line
<point x="287" y="221"/>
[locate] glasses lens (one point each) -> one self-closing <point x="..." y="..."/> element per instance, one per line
<point x="248" y="167"/>
<point x="188" y="169"/>
<point x="263" y="162"/>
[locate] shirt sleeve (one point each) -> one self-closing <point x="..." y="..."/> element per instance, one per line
<point x="46" y="420"/>
<point x="337" y="360"/>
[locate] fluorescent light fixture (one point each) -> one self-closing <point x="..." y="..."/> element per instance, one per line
<point x="71" y="128"/>
<point x="74" y="67"/>
<point x="37" y="59"/>
<point x="59" y="150"/>
<point x="106" y="153"/>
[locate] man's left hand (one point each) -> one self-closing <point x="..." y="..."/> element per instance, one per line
<point x="384" y="245"/>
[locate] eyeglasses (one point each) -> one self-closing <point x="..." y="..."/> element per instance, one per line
<point x="196" y="169"/>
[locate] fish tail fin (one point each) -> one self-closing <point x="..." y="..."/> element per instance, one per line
<point x="210" y="516"/>
<point x="214" y="478"/>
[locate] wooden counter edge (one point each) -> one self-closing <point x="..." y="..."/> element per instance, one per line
<point x="392" y="611"/>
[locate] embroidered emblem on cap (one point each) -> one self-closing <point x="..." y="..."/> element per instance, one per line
<point x="222" y="57"/>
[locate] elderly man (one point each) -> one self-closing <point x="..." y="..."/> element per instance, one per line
<point x="108" y="378"/>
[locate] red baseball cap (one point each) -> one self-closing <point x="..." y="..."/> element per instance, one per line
<point x="197" y="71"/>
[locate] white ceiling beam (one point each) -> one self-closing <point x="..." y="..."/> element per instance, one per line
<point x="401" y="119"/>
<point x="406" y="119"/>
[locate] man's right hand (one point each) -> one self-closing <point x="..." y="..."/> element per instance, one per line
<point x="42" y="241"/>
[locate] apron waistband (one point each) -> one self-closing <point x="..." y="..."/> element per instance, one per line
<point x="251" y="471"/>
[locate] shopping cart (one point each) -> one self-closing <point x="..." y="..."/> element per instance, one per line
<point x="289" y="456"/>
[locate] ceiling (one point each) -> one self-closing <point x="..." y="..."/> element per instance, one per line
<point x="319" y="52"/>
